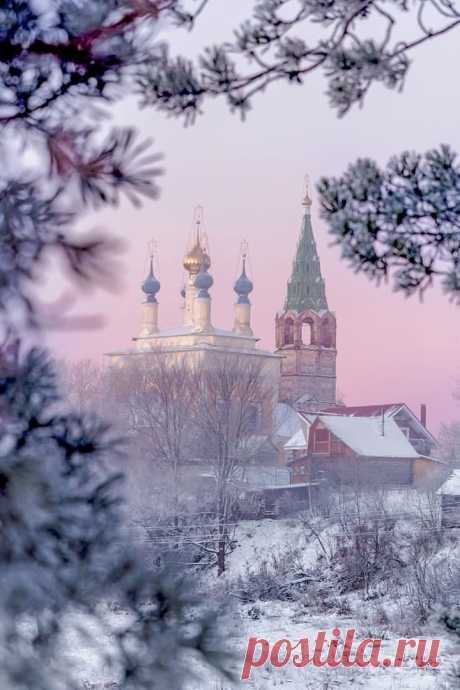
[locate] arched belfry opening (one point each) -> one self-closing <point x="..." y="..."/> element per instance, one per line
<point x="289" y="331"/>
<point x="307" y="333"/>
<point x="328" y="332"/>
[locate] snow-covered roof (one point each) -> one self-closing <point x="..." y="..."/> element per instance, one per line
<point x="297" y="441"/>
<point x="307" y="398"/>
<point x="286" y="420"/>
<point x="364" y="436"/>
<point x="297" y="485"/>
<point x="452" y="485"/>
<point x="376" y="410"/>
<point x="184" y="330"/>
<point x="364" y="410"/>
<point x="256" y="477"/>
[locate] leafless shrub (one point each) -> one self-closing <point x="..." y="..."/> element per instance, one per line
<point x="432" y="577"/>
<point x="357" y="540"/>
<point x="281" y="576"/>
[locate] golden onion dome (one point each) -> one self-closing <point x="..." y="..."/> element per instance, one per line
<point x="195" y="258"/>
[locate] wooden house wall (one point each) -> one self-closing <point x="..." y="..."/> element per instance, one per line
<point x="352" y="470"/>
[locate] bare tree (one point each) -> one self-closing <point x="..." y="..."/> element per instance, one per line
<point x="449" y="443"/>
<point x="83" y="382"/>
<point x="232" y="401"/>
<point x="216" y="413"/>
<point x="155" y="392"/>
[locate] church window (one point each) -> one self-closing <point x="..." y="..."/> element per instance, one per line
<point x="289" y="332"/>
<point x="306" y="333"/>
<point x="326" y="335"/>
<point x="321" y="441"/>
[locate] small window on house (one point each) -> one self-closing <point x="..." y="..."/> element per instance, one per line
<point x="306" y="333"/>
<point x="321" y="441"/>
<point x="406" y="431"/>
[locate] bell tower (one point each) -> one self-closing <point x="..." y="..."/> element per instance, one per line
<point x="306" y="329"/>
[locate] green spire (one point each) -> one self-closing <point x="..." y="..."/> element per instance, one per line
<point x="305" y="289"/>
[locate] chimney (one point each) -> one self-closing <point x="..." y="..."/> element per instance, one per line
<point x="423" y="414"/>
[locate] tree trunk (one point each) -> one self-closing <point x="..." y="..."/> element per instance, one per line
<point x="221" y="555"/>
<point x="222" y="539"/>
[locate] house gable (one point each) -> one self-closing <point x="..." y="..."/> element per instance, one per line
<point x="322" y="441"/>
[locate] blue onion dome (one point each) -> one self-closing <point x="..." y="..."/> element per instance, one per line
<point x="203" y="281"/>
<point x="151" y="285"/>
<point x="243" y="286"/>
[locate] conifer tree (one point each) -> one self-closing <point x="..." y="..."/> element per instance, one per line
<point x="64" y="556"/>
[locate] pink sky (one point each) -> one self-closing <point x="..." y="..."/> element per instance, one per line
<point x="249" y="178"/>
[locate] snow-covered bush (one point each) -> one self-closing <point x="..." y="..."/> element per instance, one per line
<point x="433" y="574"/>
<point x="280" y="576"/>
<point x="378" y="543"/>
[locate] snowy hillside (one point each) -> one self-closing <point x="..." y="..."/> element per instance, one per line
<point x="279" y="585"/>
<point x="309" y="607"/>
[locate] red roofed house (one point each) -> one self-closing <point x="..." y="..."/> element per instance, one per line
<point x="371" y="445"/>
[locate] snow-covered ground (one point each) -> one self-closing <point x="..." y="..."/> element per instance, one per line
<point x="268" y="542"/>
<point x="264" y="541"/>
<point x="260" y="540"/>
<point x="287" y="620"/>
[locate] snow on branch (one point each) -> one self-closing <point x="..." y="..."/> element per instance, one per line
<point x="402" y="221"/>
<point x="355" y="42"/>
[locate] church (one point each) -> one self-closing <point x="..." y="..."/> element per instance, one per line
<point x="312" y="438"/>
<point x="303" y="365"/>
